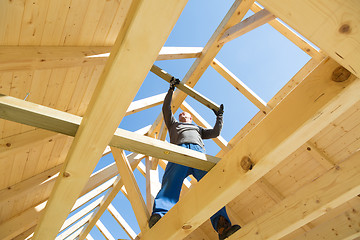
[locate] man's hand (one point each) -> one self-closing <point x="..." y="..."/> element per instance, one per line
<point x="220" y="112"/>
<point x="173" y="83"/>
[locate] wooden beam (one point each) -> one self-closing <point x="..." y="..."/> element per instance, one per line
<point x="134" y="161"/>
<point x="170" y="53"/>
<point x="129" y="63"/>
<point x="330" y="190"/>
<point x="234" y="16"/>
<point x="185" y="88"/>
<point x="318" y="155"/>
<point x="162" y="137"/>
<point x="280" y="133"/>
<point x="133" y="190"/>
<point x="54" y="120"/>
<point x="338" y="38"/>
<point x="14" y="58"/>
<point x="30" y="217"/>
<point x="343" y="226"/>
<point x="153" y="184"/>
<point x="105" y="232"/>
<point x="74" y="218"/>
<point x="292" y="36"/>
<point x="74" y="227"/>
<point x="239" y="85"/>
<point x="123" y="224"/>
<point x="254" y="21"/>
<point x="145" y="103"/>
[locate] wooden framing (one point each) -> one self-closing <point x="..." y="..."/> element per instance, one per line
<point x="214" y="191"/>
<point x="65" y="123"/>
<point x="303" y="182"/>
<point x="319" y="197"/>
<point x="305" y="19"/>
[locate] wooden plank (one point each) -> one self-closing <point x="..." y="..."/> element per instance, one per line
<point x="318" y="155"/>
<point x="66" y="123"/>
<point x="185" y="88"/>
<point x="30" y="217"/>
<point x="341" y="227"/>
<point x="74" y="218"/>
<point x="134" y="160"/>
<point x="292" y="36"/>
<point x="133" y="190"/>
<point x="89" y="144"/>
<point x="239" y="85"/>
<point x="105" y="232"/>
<point x="10" y="19"/>
<point x="220" y="141"/>
<point x="142" y="104"/>
<point x="308" y="203"/>
<point x="81" y="222"/>
<point x="337" y="38"/>
<point x="153" y="184"/>
<point x="123" y="224"/>
<point x="254" y="21"/>
<point x="273" y="139"/>
<point x="212" y="47"/>
<point x="14" y="58"/>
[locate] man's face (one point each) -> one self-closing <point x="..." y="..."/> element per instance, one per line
<point x="185" y="117"/>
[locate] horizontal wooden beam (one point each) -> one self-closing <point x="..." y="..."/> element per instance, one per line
<point x="142" y="104"/>
<point x="280" y="133"/>
<point x="54" y="120"/>
<point x="14" y="58"/>
<point x="185" y="88"/>
<point x="337" y="37"/>
<point x="104" y="231"/>
<point x="330" y="190"/>
<point x="254" y="21"/>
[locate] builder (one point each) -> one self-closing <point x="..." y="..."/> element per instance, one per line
<point x="188" y="135"/>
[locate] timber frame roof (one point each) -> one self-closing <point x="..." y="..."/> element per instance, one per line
<point x="293" y="172"/>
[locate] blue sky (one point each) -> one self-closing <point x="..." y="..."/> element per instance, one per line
<point x="263" y="59"/>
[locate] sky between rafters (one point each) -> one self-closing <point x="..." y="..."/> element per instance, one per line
<point x="263" y="59"/>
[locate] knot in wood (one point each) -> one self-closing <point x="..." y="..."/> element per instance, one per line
<point x="66" y="174"/>
<point x="186" y="226"/>
<point x="246" y="163"/>
<point x="8" y="144"/>
<point x="345" y="28"/>
<point x="340" y="74"/>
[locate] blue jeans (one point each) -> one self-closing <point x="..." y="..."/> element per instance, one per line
<point x="171" y="184"/>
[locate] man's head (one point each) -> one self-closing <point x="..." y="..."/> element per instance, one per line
<point x="185" y="117"/>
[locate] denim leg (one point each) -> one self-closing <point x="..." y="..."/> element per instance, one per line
<point x="199" y="174"/>
<point x="170" y="188"/>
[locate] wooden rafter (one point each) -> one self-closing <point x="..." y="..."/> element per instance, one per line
<point x="105" y="232"/>
<point x="134" y="160"/>
<point x="239" y="85"/>
<point x="39" y="116"/>
<point x="292" y="35"/>
<point x="227" y="180"/>
<point x="211" y="49"/>
<point x="121" y="221"/>
<point x="254" y="21"/>
<point x="308" y="203"/>
<point x="337" y="38"/>
<point x="133" y="190"/>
